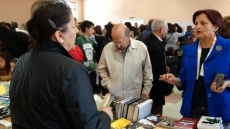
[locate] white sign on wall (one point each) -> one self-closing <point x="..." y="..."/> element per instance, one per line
<point x="132" y="21"/>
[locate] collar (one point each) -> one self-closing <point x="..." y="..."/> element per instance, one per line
<point x="161" y="40"/>
<point x="132" y="45"/>
<point x="218" y="48"/>
<point x="50" y="45"/>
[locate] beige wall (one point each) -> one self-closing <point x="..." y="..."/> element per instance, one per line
<point x="102" y="11"/>
<point x="19" y="10"/>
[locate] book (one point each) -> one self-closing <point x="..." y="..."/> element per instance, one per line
<point x="168" y="123"/>
<point x="142" y="110"/>
<point x="126" y="106"/>
<point x="186" y="123"/>
<point x="120" y="123"/>
<point x="138" y="125"/>
<point x="131" y="109"/>
<point x="121" y="106"/>
<point x="5" y="124"/>
<point x="155" y="119"/>
<point x="207" y="122"/>
<point x="103" y="102"/>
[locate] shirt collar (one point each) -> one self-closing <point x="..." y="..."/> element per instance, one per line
<point x="131" y="45"/>
<point x="161" y="40"/>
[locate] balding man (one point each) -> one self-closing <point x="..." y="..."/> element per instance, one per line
<point x="156" y="47"/>
<point x="125" y="65"/>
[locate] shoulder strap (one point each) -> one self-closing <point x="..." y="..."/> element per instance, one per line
<point x="169" y="37"/>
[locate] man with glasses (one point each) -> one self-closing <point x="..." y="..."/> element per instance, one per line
<point x="125" y="65"/>
<point x="156" y="47"/>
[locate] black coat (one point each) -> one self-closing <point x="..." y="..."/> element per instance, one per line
<point x="50" y="90"/>
<point x="156" y="51"/>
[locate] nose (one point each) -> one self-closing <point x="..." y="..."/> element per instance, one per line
<point x="118" y="45"/>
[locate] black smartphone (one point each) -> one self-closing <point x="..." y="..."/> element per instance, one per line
<point x="219" y="79"/>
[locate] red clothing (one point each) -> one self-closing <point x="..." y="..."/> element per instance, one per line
<point x="77" y="54"/>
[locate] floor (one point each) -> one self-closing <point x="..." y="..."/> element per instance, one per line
<point x="173" y="104"/>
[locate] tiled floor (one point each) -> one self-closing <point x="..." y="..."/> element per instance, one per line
<point x="171" y="109"/>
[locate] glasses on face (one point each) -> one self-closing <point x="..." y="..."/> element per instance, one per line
<point x="121" y="43"/>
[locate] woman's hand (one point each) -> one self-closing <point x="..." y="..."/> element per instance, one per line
<point x="109" y="112"/>
<point x="219" y="89"/>
<point x="169" y="78"/>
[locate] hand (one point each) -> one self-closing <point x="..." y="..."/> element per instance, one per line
<point x="145" y="96"/>
<point x="169" y="78"/>
<point x="219" y="89"/>
<point x="108" y="111"/>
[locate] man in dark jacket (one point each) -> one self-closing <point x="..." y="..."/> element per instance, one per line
<point x="155" y="45"/>
<point x="146" y="32"/>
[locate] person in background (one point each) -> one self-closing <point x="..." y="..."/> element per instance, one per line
<point x="155" y="45"/>
<point x="49" y="89"/>
<point x="201" y="62"/>
<point x="188" y="32"/>
<point x="16" y="43"/>
<point x="88" y="48"/>
<point x="146" y="32"/>
<point x="172" y="38"/>
<point x="172" y="61"/>
<point x="5" y="73"/>
<point x="129" y="25"/>
<point x="122" y="60"/>
<point x="225" y="30"/>
<point x="13" y="63"/>
<point x="77" y="54"/>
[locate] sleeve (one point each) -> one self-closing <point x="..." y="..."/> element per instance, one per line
<point x="79" y="103"/>
<point x="102" y="70"/>
<point x="147" y="74"/>
<point x="180" y="34"/>
<point x="182" y="74"/>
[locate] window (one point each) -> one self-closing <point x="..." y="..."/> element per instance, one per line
<point x="73" y="6"/>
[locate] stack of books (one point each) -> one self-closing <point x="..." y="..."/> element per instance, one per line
<point x="207" y="122"/>
<point x="133" y="108"/>
<point x="186" y="123"/>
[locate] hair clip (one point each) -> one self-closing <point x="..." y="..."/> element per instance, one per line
<point x="52" y="23"/>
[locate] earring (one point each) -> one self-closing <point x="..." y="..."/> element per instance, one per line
<point x="62" y="41"/>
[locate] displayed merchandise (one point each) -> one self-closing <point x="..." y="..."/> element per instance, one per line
<point x="186" y="123"/>
<point x="207" y="122"/>
<point x="120" y="123"/>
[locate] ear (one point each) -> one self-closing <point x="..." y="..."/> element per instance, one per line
<point x="58" y="37"/>
<point x="216" y="28"/>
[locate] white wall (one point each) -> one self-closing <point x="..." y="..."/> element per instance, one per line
<point x="102" y="11"/>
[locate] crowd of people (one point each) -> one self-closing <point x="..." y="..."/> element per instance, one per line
<point x="57" y="64"/>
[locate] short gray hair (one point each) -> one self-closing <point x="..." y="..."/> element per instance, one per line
<point x="157" y="24"/>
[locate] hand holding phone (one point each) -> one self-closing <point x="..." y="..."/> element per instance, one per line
<point x="219" y="79"/>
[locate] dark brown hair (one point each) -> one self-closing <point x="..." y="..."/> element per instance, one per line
<point x="7" y="57"/>
<point x="213" y="15"/>
<point x="224" y="31"/>
<point x="98" y="29"/>
<point x="48" y="17"/>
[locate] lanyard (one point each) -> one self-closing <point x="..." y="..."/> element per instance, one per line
<point x="201" y="72"/>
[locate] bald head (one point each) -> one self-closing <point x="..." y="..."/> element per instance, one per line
<point x="121" y="35"/>
<point x="120" y="29"/>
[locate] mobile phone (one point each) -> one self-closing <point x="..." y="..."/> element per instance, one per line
<point x="219" y="79"/>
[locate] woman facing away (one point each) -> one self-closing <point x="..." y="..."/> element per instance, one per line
<point x="49" y="89"/>
<point x="201" y="61"/>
